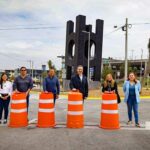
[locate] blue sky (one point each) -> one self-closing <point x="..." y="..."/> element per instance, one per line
<point x="18" y="46"/>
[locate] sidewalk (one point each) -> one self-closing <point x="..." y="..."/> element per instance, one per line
<point x="64" y="96"/>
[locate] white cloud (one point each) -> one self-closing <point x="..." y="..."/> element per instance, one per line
<point x="43" y="44"/>
<point x="19" y="45"/>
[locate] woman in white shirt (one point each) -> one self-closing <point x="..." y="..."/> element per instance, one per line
<point x="5" y="93"/>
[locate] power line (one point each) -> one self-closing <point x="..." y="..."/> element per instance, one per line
<point x="140" y="23"/>
<point x="12" y="57"/>
<point x="112" y="31"/>
<point x="17" y="25"/>
<point x="146" y="23"/>
<point x="31" y="28"/>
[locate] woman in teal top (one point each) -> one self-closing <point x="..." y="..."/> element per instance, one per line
<point x="132" y="88"/>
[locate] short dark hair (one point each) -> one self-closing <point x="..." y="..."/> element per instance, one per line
<point x="51" y="68"/>
<point x="22" y="68"/>
<point x="79" y="66"/>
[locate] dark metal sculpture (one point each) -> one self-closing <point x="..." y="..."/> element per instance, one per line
<point x="77" y="47"/>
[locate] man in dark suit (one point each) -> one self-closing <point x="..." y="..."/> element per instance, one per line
<point x="79" y="82"/>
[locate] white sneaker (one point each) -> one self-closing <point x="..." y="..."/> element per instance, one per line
<point x="129" y="122"/>
<point x="5" y="121"/>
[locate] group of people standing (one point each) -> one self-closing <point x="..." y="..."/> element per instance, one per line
<point x="24" y="83"/>
<point x="131" y="89"/>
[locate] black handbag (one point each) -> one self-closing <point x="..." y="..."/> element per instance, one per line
<point x="118" y="98"/>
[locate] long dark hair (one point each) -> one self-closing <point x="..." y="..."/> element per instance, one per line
<point x="1" y="79"/>
<point x="135" y="80"/>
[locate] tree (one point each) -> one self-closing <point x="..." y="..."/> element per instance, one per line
<point x="44" y="74"/>
<point x="130" y="69"/>
<point x="51" y="65"/>
<point x="106" y="70"/>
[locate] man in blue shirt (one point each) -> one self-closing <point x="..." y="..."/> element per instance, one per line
<point x="51" y="84"/>
<point x="23" y="83"/>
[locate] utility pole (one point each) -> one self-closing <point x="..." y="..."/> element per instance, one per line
<point x="125" y="28"/>
<point x="132" y="53"/>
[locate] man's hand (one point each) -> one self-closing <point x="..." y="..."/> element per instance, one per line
<point x="16" y="91"/>
<point x="46" y="91"/>
<point x="27" y="93"/>
<point x="74" y="89"/>
<point x="57" y="96"/>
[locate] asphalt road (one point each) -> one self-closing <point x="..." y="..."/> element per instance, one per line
<point x="89" y="138"/>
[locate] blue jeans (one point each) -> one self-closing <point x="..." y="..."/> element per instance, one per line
<point x="4" y="105"/>
<point x="132" y="104"/>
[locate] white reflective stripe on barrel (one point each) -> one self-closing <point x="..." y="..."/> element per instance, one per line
<point x="110" y="111"/>
<point x="75" y="102"/>
<point x="109" y="101"/>
<point x="18" y="110"/>
<point x="46" y="110"/>
<point x="42" y="101"/>
<point x="75" y="112"/>
<point x="18" y="101"/>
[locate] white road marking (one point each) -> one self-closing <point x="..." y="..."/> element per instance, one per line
<point x="89" y="125"/>
<point x="147" y="125"/>
<point x="33" y="121"/>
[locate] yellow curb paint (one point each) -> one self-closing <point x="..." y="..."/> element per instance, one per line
<point x="92" y="98"/>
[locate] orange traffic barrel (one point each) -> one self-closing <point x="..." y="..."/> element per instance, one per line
<point x="109" y="112"/>
<point x="75" y="117"/>
<point x="18" y="111"/>
<point x="46" y="113"/>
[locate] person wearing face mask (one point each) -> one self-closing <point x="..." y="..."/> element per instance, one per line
<point x="79" y="82"/>
<point x="110" y="86"/>
<point x="132" y="89"/>
<point x="5" y="93"/>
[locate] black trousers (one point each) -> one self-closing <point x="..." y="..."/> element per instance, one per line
<point x="54" y="98"/>
<point x="27" y="101"/>
<point x="4" y="105"/>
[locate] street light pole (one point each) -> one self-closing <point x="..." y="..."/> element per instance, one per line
<point x="126" y="49"/>
<point x="88" y="59"/>
<point x="32" y="69"/>
<point x="63" y="70"/>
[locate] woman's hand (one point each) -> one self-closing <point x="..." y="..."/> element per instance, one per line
<point x="112" y="92"/>
<point x="109" y="92"/>
<point x="5" y="97"/>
